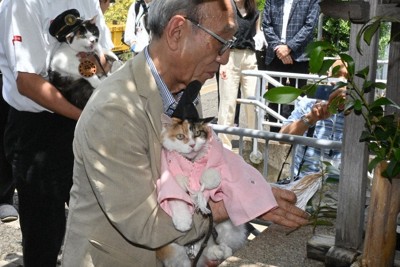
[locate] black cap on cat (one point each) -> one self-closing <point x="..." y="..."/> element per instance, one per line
<point x="185" y="109"/>
<point x="65" y="23"/>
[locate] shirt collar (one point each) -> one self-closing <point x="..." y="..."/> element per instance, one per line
<point x="169" y="102"/>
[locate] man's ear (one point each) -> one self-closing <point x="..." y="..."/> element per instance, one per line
<point x="174" y="31"/>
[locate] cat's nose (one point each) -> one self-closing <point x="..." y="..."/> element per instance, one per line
<point x="192" y="145"/>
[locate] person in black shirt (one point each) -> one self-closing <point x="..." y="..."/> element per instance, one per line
<point x="242" y="57"/>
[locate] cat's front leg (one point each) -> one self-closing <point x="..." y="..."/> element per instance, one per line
<point x="181" y="215"/>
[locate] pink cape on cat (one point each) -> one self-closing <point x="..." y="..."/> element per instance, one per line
<point x="245" y="192"/>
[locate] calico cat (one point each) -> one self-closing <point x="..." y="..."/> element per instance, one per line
<point x="189" y="140"/>
<point x="71" y="72"/>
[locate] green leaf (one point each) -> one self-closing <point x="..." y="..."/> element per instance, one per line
<point x="372" y="164"/>
<point x="358" y="105"/>
<point x="283" y="94"/>
<point x="365" y="136"/>
<point x="322" y="45"/>
<point x="326" y="65"/>
<point x="309" y="89"/>
<point x="382" y="101"/>
<point x="367" y="86"/>
<point x="349" y="62"/>
<point x="396" y="153"/>
<point x="363" y="74"/>
<point x="370" y="30"/>
<point x="316" y="60"/>
<point x="380" y="85"/>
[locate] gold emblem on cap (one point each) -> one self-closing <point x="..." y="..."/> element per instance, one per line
<point x="70" y="19"/>
<point x="87" y="68"/>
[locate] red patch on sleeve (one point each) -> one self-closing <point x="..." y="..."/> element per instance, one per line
<point x="17" y="38"/>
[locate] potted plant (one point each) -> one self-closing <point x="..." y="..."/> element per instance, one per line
<point x="381" y="134"/>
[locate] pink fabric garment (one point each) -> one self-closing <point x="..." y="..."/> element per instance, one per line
<point x="245" y="192"/>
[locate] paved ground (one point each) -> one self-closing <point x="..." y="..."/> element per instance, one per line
<point x="10" y="244"/>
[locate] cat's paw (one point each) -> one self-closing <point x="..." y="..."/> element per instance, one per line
<point x="181" y="215"/>
<point x="218" y="252"/>
<point x="182" y="223"/>
<point x="210" y="178"/>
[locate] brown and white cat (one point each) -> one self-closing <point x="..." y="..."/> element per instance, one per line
<point x="75" y="80"/>
<point x="190" y="140"/>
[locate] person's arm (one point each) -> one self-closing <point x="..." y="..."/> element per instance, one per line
<point x="268" y="28"/>
<point x="129" y="34"/>
<point x="319" y="111"/>
<point x="45" y="94"/>
<point x="307" y="30"/>
<point x="286" y="214"/>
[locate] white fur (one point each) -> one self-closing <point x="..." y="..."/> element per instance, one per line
<point x="66" y="61"/>
<point x="181" y="215"/>
<point x="230" y="237"/>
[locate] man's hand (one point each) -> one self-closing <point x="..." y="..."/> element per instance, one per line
<point x="287" y="60"/>
<point x="337" y="99"/>
<point x="286" y="214"/>
<point x="282" y="51"/>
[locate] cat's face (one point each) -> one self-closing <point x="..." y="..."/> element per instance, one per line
<point x="186" y="138"/>
<point x="85" y="38"/>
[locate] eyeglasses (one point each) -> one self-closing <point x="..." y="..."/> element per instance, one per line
<point x="225" y="44"/>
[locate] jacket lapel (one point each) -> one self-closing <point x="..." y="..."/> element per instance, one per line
<point x="294" y="4"/>
<point x="148" y="90"/>
<point x="152" y="102"/>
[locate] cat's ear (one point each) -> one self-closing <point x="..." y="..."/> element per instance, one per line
<point x="69" y="36"/>
<point x="93" y="20"/>
<point x="207" y="120"/>
<point x="165" y="119"/>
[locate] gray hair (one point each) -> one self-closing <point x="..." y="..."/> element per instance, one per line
<point x="161" y="11"/>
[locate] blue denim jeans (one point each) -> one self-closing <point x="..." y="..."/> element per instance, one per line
<point x="39" y="147"/>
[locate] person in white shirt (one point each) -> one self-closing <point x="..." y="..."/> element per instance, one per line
<point x="41" y="122"/>
<point x="136" y="33"/>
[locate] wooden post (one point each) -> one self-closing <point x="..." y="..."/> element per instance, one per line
<point x="380" y="236"/>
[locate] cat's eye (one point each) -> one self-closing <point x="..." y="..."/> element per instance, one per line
<point x="197" y="133"/>
<point x="180" y="136"/>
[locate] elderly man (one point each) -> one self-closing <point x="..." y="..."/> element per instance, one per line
<point x="114" y="217"/>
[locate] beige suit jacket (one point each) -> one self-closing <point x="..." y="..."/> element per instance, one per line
<point x="114" y="218"/>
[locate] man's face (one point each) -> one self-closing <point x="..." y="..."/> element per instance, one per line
<point x="202" y="49"/>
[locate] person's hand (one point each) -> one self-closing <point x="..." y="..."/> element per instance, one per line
<point x="337" y="99"/>
<point x="287" y="60"/>
<point x="319" y="112"/>
<point x="286" y="214"/>
<point x="282" y="51"/>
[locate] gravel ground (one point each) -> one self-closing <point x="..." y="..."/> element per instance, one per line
<point x="10" y="244"/>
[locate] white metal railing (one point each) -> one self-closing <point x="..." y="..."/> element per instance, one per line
<point x="261" y="105"/>
<point x="270" y="136"/>
<point x="265" y="77"/>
